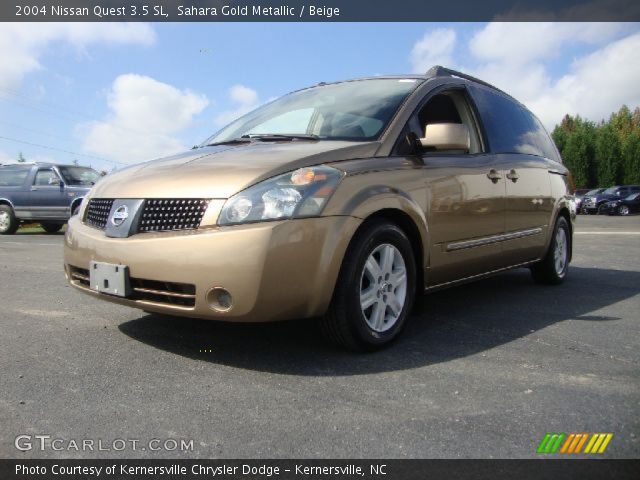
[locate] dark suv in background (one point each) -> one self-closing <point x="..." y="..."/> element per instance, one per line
<point x="593" y="203"/>
<point x="41" y="192"/>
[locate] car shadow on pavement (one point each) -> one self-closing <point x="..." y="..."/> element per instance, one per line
<point x="445" y="325"/>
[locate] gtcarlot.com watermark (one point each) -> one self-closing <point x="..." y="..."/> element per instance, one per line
<point x="43" y="443"/>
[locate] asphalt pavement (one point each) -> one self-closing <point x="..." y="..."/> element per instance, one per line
<point x="482" y="370"/>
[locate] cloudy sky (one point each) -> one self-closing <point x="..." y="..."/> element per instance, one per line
<point x="112" y="94"/>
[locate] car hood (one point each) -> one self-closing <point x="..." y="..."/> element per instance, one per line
<point x="221" y="171"/>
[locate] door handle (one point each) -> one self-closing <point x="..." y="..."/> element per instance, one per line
<point x="493" y="175"/>
<point x="34" y="189"/>
<point x="513" y="176"/>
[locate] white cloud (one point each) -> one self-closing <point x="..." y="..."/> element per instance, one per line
<point x="434" y="48"/>
<point x="597" y="84"/>
<point x="520" y="43"/>
<point x="245" y="99"/>
<point x="516" y="57"/>
<point x="22" y="44"/>
<point x="145" y="116"/>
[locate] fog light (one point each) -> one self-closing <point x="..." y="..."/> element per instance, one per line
<point x="219" y="299"/>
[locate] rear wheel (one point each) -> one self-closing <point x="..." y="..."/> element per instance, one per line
<point x="8" y="221"/>
<point x="552" y="269"/>
<point x="375" y="289"/>
<point x="624" y="210"/>
<point x="50" y="227"/>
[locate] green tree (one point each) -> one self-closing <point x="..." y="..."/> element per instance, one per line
<point x="608" y="155"/>
<point x="579" y="154"/>
<point x="631" y="158"/>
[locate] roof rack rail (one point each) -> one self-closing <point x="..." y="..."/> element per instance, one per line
<point x="440" y="71"/>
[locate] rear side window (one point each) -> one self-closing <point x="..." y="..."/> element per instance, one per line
<point x="510" y="127"/>
<point x="13" y="177"/>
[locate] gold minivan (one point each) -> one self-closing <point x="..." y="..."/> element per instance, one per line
<point x="340" y="201"/>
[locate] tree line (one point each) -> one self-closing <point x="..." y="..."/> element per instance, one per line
<point x="601" y="154"/>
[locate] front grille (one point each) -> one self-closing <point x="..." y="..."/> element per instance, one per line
<point x="172" y="214"/>
<point x="168" y="293"/>
<point x="79" y="276"/>
<point x="98" y="212"/>
<point x="158" y="214"/>
<point x="172" y="293"/>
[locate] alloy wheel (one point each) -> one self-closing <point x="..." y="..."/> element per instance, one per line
<point x="383" y="287"/>
<point x="5" y="221"/>
<point x="561" y="251"/>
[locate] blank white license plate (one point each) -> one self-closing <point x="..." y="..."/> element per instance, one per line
<point x="109" y="278"/>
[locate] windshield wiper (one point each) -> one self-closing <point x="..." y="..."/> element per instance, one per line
<point x="233" y="141"/>
<point x="265" y="137"/>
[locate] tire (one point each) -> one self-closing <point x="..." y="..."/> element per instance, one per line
<point x="600" y="210"/>
<point x="390" y="296"/>
<point x="8" y="222"/>
<point x="49" y="227"/>
<point x="624" y="210"/>
<point x="553" y="268"/>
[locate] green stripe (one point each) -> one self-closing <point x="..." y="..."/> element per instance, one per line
<point x="541" y="447"/>
<point x="555" y="447"/>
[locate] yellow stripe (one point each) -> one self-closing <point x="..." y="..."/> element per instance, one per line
<point x="605" y="443"/>
<point x="596" y="445"/>
<point x="582" y="440"/>
<point x="566" y="443"/>
<point x="574" y="443"/>
<point x="590" y="444"/>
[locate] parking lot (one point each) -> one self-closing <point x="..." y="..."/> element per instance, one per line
<point x="483" y="370"/>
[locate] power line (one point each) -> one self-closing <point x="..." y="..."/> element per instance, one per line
<point x="60" y="150"/>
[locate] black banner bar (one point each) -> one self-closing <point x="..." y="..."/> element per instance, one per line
<point x="583" y="469"/>
<point x="317" y="10"/>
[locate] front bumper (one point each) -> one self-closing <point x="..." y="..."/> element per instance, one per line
<point x="273" y="270"/>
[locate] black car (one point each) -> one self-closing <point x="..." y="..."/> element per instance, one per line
<point x="625" y="206"/>
<point x="593" y="203"/>
<point x="581" y="193"/>
<point x="41" y="192"/>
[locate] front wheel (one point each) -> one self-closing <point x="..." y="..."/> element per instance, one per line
<point x="624" y="210"/>
<point x="8" y="221"/>
<point x="375" y="289"/>
<point x="552" y="269"/>
<point x="51" y="227"/>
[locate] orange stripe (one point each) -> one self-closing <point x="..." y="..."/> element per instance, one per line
<point x="584" y="439"/>
<point x="566" y="443"/>
<point x="574" y="443"/>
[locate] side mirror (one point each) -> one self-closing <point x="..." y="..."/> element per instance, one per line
<point x="446" y="136"/>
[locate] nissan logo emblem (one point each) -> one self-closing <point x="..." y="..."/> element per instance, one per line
<point x="120" y="215"/>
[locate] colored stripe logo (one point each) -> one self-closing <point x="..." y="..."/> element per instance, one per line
<point x="573" y="443"/>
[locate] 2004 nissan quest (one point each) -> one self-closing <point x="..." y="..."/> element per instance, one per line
<point x="339" y="201"/>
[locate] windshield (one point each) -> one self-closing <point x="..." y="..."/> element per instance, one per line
<point x="356" y="110"/>
<point x="593" y="192"/>
<point x="610" y="191"/>
<point x="79" y="175"/>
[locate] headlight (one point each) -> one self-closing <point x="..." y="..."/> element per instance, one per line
<point x="298" y="194"/>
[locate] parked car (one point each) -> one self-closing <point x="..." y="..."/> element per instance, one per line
<point x="592" y="203"/>
<point x="339" y="201"/>
<point x="45" y="193"/>
<point x="625" y="206"/>
<point x="579" y="195"/>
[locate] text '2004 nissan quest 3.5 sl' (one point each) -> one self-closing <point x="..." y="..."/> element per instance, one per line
<point x="339" y="201"/>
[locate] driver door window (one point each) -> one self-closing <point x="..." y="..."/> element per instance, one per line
<point x="45" y="178"/>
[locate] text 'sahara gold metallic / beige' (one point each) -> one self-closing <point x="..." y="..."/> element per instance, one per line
<point x="340" y="201"/>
